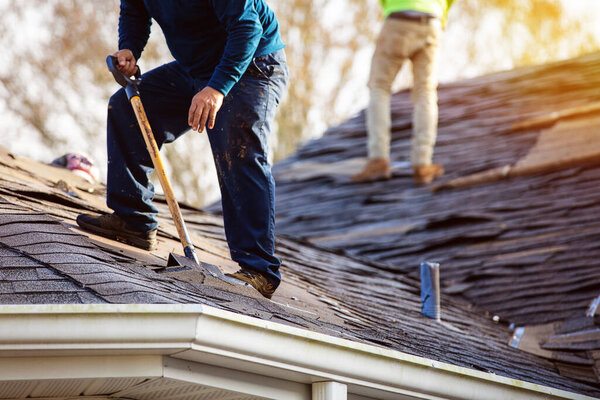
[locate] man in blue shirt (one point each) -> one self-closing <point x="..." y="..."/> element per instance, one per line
<point x="228" y="76"/>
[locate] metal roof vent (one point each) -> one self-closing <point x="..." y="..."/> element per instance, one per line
<point x="430" y="290"/>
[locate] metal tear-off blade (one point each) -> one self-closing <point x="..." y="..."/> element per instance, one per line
<point x="180" y="261"/>
<point x="186" y="262"/>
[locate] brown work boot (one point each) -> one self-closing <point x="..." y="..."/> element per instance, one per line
<point x="256" y="280"/>
<point x="375" y="170"/>
<point x="425" y="174"/>
<point x="113" y="227"/>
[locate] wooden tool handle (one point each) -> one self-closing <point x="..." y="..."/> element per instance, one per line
<point x="153" y="150"/>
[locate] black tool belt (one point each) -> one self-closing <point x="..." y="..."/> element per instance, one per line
<point x="412" y="16"/>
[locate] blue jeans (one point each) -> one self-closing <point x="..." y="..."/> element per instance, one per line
<point x="239" y="143"/>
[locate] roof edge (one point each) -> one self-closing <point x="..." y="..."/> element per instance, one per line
<point x="14" y="309"/>
<point x="181" y="331"/>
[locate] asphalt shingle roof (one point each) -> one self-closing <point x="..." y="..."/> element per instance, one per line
<point x="514" y="223"/>
<point x="351" y="252"/>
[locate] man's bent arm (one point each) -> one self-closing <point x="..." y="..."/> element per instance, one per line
<point x="134" y="26"/>
<point x="244" y="31"/>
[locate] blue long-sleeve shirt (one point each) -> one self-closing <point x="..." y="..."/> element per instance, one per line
<point x="213" y="40"/>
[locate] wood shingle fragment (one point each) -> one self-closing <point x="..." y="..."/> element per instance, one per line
<point x="552" y="118"/>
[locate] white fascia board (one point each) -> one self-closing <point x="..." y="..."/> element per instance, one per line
<point x="97" y="328"/>
<point x="80" y="367"/>
<point x="200" y="333"/>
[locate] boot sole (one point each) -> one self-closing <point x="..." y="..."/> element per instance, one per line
<point x="110" y="234"/>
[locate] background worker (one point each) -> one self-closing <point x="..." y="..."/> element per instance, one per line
<point x="228" y="76"/>
<point x="411" y="30"/>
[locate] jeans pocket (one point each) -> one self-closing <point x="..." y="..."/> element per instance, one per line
<point x="263" y="67"/>
<point x="270" y="65"/>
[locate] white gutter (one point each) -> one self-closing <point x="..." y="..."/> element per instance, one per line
<point x="211" y="336"/>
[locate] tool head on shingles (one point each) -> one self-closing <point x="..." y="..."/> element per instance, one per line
<point x="186" y="262"/>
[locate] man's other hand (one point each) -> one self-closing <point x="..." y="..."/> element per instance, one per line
<point x="126" y="62"/>
<point x="205" y="105"/>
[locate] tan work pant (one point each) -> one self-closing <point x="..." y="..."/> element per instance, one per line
<point x="398" y="41"/>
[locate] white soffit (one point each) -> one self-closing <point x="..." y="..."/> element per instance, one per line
<point x="153" y="389"/>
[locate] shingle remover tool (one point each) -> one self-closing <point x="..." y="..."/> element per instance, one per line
<point x="133" y="95"/>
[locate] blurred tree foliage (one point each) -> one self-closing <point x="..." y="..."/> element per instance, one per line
<point x="54" y="75"/>
<point x="533" y="31"/>
<point x="58" y="78"/>
<point x="319" y="43"/>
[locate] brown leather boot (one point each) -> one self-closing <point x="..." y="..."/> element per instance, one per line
<point x="425" y="174"/>
<point x="376" y="169"/>
<point x="256" y="280"/>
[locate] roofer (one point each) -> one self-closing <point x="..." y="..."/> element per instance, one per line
<point x="229" y="76"/>
<point x="411" y="30"/>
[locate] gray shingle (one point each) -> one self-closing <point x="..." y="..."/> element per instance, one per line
<point x="19" y="274"/>
<point x="45" y="286"/>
